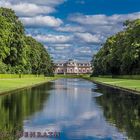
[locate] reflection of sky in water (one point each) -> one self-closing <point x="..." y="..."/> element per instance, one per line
<point x="72" y="110"/>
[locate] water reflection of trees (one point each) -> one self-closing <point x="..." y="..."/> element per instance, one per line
<point x="14" y="108"/>
<point x="122" y="109"/>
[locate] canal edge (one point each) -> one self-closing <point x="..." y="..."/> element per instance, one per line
<point x="113" y="86"/>
<point x="25" y="87"/>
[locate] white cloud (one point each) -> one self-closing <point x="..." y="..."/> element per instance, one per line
<point x="31" y="7"/>
<point x="50" y="2"/>
<point x="83" y="50"/>
<point x="46" y="46"/>
<point x="70" y="28"/>
<point x="88" y="19"/>
<point x="103" y="19"/>
<point x="60" y="46"/>
<point x="98" y="27"/>
<point x="53" y="38"/>
<point x="103" y="24"/>
<point x="41" y="21"/>
<point x="40" y="2"/>
<point x="63" y="45"/>
<point x="89" y="38"/>
<point x="27" y="9"/>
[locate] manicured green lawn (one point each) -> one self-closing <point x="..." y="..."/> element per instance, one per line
<point x="17" y="83"/>
<point x="126" y="83"/>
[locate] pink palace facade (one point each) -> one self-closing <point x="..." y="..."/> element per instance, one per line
<point x="73" y="67"/>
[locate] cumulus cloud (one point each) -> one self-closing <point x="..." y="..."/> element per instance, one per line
<point x="103" y="19"/>
<point x="96" y="28"/>
<point x="71" y="28"/>
<point x="40" y="2"/>
<point x="50" y="38"/>
<point x="41" y="21"/>
<point x="89" y="19"/>
<point x="83" y="50"/>
<point x="103" y="24"/>
<point x="31" y="7"/>
<point x="27" y="9"/>
<point x="89" y="38"/>
<point x="60" y="46"/>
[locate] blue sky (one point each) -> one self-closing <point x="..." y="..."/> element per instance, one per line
<point x="73" y="28"/>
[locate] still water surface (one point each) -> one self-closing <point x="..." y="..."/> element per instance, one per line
<point x="78" y="109"/>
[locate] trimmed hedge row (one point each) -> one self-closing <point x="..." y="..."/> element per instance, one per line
<point x="10" y="76"/>
<point x="136" y="77"/>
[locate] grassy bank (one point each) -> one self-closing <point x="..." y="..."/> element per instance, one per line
<point x="7" y="85"/>
<point x="130" y="84"/>
<point x="10" y="84"/>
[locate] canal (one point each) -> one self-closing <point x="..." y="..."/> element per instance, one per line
<point x="70" y="109"/>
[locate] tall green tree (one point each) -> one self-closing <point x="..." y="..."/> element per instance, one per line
<point x="121" y="52"/>
<point x="19" y="53"/>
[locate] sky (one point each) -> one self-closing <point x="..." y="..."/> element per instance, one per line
<point x="73" y="29"/>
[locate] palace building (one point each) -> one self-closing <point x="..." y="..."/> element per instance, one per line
<point x="73" y="67"/>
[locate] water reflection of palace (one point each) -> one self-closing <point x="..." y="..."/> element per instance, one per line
<point x="73" y="67"/>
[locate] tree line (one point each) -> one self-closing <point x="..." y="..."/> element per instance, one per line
<point x="120" y="55"/>
<point x="20" y="53"/>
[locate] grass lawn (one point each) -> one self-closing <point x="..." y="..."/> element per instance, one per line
<point x="17" y="83"/>
<point x="125" y="83"/>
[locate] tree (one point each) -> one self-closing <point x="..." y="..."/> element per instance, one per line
<point x="19" y="52"/>
<point x="121" y="52"/>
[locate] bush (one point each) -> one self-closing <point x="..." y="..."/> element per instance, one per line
<point x="3" y="67"/>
